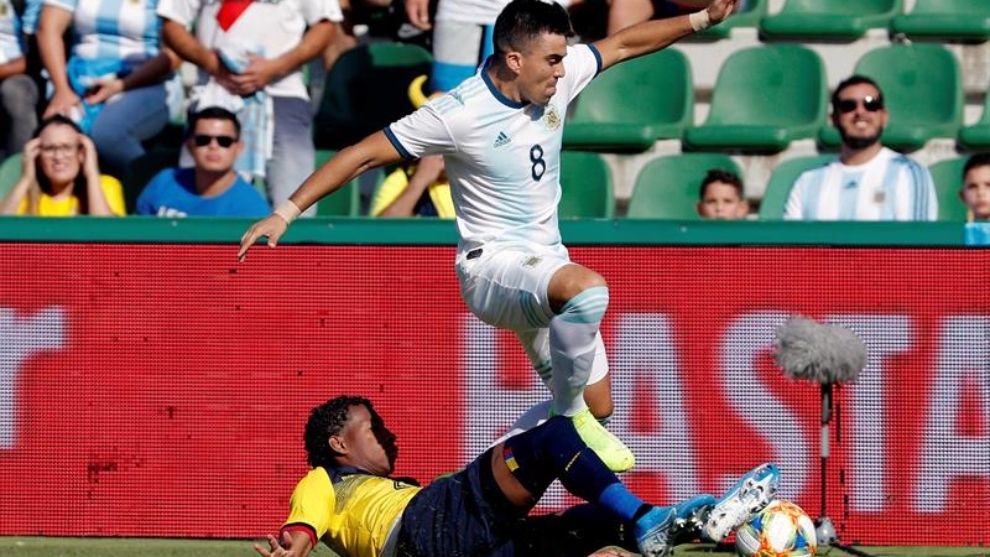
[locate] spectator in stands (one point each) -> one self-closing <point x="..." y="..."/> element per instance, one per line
<point x="975" y="191"/>
<point x="61" y="176"/>
<point x="721" y="196"/>
<point x="18" y="92"/>
<point x="868" y="181"/>
<point x="118" y="82"/>
<point x="249" y="56"/>
<point x="419" y="189"/>
<point x="211" y="187"/>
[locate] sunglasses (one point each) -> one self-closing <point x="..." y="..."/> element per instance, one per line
<point x="871" y="104"/>
<point x="202" y="140"/>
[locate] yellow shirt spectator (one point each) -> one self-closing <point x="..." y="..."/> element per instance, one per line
<point x="69" y="206"/>
<point x="60" y="176"/>
<point x="435" y="202"/>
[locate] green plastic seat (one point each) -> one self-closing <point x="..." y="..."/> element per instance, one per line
<point x="948" y="179"/>
<point x="764" y="98"/>
<point x="667" y="187"/>
<point x="586" y="186"/>
<point x="949" y="20"/>
<point x="828" y="19"/>
<point x="141" y="170"/>
<point x="749" y="16"/>
<point x="782" y="180"/>
<point x="345" y="202"/>
<point x="366" y="89"/>
<point x="977" y="136"/>
<point x="922" y="89"/>
<point x="633" y="104"/>
<point x="10" y="173"/>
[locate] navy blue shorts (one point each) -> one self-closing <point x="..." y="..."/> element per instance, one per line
<point x="462" y="515"/>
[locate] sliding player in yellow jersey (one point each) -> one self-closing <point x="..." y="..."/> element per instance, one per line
<point x="349" y="501"/>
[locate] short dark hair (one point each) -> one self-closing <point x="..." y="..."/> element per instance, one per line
<point x="976" y="161"/>
<point x="213" y="113"/>
<point x="849" y="82"/>
<point x="521" y="21"/>
<point x="325" y="421"/>
<point x="721" y="175"/>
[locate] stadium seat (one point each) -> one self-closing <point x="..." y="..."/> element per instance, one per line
<point x="764" y="98"/>
<point x="586" y="184"/>
<point x="922" y="88"/>
<point x="141" y="170"/>
<point x="633" y="104"/>
<point x="947" y="176"/>
<point x="828" y="19"/>
<point x="749" y="16"/>
<point x="10" y="173"/>
<point x="782" y="180"/>
<point x="947" y="20"/>
<point x="366" y="89"/>
<point x="667" y="187"/>
<point x="345" y="202"/>
<point x="977" y="136"/>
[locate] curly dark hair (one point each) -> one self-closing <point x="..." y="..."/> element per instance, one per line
<point x="325" y="421"/>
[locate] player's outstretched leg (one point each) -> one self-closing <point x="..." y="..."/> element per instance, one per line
<point x="750" y="495"/>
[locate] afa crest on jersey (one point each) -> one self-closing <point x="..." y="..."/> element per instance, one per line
<point x="551" y="118"/>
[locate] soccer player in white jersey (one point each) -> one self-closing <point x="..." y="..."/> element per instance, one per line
<point x="500" y="133"/>
<point x="867" y="182"/>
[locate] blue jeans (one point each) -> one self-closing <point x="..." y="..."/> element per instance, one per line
<point x="19" y="104"/>
<point x="293" y="153"/>
<point x="125" y="121"/>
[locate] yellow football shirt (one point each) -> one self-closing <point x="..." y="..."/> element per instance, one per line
<point x="69" y="206"/>
<point x="354" y="515"/>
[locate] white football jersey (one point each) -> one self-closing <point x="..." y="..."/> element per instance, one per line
<point x="502" y="157"/>
<point x="891" y="186"/>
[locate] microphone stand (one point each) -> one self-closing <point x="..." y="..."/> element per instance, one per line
<point x="824" y="529"/>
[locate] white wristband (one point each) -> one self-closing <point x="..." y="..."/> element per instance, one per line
<point x="288" y="210"/>
<point x="700" y="20"/>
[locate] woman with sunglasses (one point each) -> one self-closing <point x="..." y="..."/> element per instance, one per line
<point x="211" y="187"/>
<point x="61" y="176"/>
<point x="868" y="182"/>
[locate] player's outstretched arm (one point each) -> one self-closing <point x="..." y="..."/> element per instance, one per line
<point x="372" y="152"/>
<point x="295" y="544"/>
<point x="650" y="36"/>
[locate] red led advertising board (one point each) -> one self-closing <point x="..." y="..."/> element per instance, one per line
<point x="161" y="390"/>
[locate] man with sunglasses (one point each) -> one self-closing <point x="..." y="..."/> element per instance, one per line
<point x="868" y="182"/>
<point x="211" y="187"/>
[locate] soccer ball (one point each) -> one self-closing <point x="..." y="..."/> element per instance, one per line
<point x="782" y="529"/>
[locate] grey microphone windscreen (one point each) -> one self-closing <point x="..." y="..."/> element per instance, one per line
<point x="806" y="349"/>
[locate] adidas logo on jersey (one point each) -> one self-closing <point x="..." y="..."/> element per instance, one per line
<point x="501" y="140"/>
